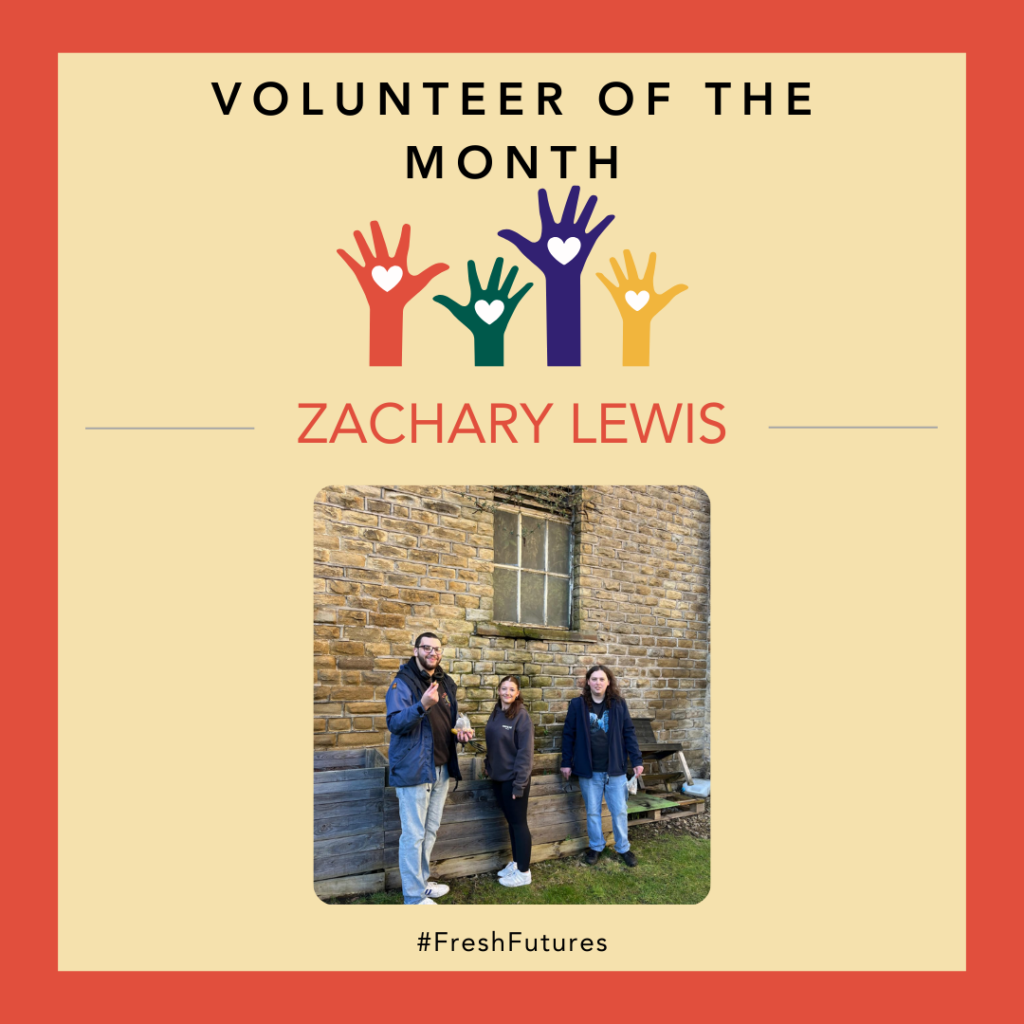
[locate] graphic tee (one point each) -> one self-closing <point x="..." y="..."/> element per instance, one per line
<point x="599" y="738"/>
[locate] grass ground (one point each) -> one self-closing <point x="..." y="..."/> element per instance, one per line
<point x="674" y="867"/>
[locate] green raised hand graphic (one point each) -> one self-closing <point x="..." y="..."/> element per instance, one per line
<point x="488" y="312"/>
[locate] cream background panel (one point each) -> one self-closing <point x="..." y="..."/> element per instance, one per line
<point x="199" y="285"/>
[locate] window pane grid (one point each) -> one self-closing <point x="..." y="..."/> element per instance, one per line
<point x="535" y="600"/>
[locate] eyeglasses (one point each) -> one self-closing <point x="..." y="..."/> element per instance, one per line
<point x="431" y="650"/>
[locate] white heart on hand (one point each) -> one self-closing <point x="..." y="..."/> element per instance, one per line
<point x="386" y="279"/>
<point x="637" y="301"/>
<point x="489" y="312"/>
<point x="564" y="250"/>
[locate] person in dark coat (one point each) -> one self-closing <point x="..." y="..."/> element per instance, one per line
<point x="422" y="711"/>
<point x="597" y="736"/>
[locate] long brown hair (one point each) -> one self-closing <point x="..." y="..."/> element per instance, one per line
<point x="613" y="690"/>
<point x="513" y="708"/>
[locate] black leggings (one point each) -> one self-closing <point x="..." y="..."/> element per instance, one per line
<point x="515" y="815"/>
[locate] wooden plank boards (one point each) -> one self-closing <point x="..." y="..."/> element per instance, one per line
<point x="348" y="855"/>
<point x="472" y="765"/>
<point x="339" y="759"/>
<point x="496" y="839"/>
<point x="482" y="863"/>
<point x="472" y="816"/>
<point x="357" y="825"/>
<point x="348" y="814"/>
<point x="473" y="810"/>
<point x="355" y="863"/>
<point x="544" y="785"/>
<point x="483" y="789"/>
<point x="349" y="885"/>
<point x="483" y="805"/>
<point x="544" y="763"/>
<point x="364" y="757"/>
<point x="331" y="803"/>
<point x="365" y="776"/>
<point x="349" y="819"/>
<point x="497" y="828"/>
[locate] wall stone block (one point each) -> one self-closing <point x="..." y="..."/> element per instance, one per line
<point x="391" y="562"/>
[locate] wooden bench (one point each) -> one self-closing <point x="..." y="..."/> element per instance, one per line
<point x="654" y="751"/>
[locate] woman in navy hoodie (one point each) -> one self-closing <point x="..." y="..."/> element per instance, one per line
<point x="508" y="764"/>
<point x="597" y="736"/>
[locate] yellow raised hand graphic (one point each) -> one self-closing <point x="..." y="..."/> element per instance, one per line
<point x="638" y="303"/>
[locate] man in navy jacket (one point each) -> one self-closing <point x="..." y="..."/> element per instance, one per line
<point x="421" y="713"/>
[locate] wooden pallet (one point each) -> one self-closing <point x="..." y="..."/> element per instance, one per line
<point x="645" y="808"/>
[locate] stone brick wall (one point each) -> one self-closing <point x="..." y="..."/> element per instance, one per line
<point x="391" y="562"/>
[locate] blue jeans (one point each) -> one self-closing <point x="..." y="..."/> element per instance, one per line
<point x="419" y="808"/>
<point x="613" y="789"/>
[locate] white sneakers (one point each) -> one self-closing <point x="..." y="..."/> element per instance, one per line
<point x="515" y="878"/>
<point x="509" y="875"/>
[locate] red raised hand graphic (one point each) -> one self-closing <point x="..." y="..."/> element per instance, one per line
<point x="388" y="286"/>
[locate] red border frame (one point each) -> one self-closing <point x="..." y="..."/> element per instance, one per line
<point x="983" y="30"/>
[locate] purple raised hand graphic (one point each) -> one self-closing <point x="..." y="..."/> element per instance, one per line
<point x="560" y="255"/>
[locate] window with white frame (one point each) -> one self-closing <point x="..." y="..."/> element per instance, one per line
<point x="532" y="568"/>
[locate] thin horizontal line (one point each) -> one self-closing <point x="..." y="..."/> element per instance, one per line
<point x="170" y="428"/>
<point x="870" y="427"/>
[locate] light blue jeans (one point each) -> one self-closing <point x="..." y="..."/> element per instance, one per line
<point x="419" y="808"/>
<point x="613" y="789"/>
